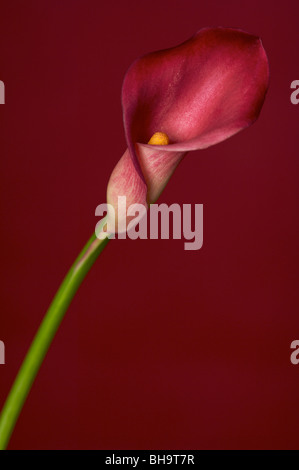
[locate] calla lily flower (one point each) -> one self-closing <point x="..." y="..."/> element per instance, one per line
<point x="185" y="98"/>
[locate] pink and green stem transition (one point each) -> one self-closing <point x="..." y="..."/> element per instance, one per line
<point x="45" y="335"/>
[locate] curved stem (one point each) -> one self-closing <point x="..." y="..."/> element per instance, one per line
<point x="45" y="335"/>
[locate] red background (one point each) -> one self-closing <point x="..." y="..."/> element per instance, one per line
<point x="161" y="348"/>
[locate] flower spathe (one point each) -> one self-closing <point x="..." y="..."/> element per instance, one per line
<point x="197" y="94"/>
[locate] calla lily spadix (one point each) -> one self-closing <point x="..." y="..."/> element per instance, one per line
<point x="185" y="98"/>
<point x="176" y="100"/>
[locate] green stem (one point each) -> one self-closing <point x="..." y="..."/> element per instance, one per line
<point x="45" y="335"/>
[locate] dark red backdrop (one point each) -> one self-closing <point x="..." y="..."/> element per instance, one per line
<point x="161" y="348"/>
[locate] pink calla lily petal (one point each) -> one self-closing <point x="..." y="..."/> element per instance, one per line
<point x="198" y="93"/>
